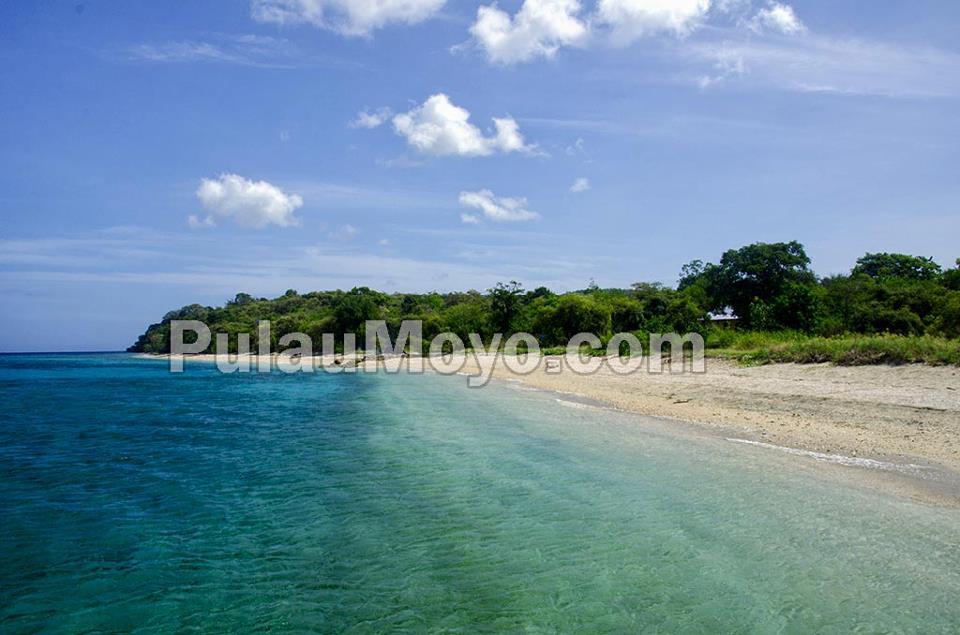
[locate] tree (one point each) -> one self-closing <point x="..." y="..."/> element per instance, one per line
<point x="241" y="299"/>
<point x="653" y="297"/>
<point x="410" y="304"/>
<point x="189" y="312"/>
<point x="626" y="314"/>
<point x="356" y="307"/>
<point x="948" y="322"/>
<point x="684" y="314"/>
<point x="862" y="304"/>
<point x="884" y="265"/>
<point x="504" y="305"/>
<point x="581" y="314"/>
<point x="466" y="318"/>
<point x="767" y="285"/>
<point x="690" y="274"/>
<point x="561" y="318"/>
<point x="951" y="277"/>
<point x="539" y="292"/>
<point x="794" y="307"/>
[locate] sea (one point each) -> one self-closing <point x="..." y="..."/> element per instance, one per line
<point x="133" y="499"/>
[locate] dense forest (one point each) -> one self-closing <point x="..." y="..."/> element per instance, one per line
<point x="769" y="287"/>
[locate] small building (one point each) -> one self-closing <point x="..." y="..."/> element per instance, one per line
<point x="724" y="320"/>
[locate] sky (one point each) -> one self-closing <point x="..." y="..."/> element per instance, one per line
<point x="154" y="155"/>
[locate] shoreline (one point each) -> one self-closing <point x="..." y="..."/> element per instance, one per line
<point x="888" y="428"/>
<point x="866" y="417"/>
<point x="925" y="483"/>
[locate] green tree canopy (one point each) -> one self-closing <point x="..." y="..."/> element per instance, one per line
<point x="884" y="265"/>
<point x="767" y="285"/>
<point x="504" y="305"/>
<point x="951" y="277"/>
<point x="356" y="307"/>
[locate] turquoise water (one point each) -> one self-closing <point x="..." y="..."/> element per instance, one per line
<point x="131" y="499"/>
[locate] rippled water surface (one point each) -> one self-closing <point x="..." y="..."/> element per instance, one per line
<point x="131" y="498"/>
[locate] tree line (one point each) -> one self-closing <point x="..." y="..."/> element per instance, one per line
<point x="765" y="286"/>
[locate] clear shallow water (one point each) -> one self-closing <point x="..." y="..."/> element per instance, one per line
<point x="135" y="499"/>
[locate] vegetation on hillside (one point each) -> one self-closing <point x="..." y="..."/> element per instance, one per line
<point x="891" y="308"/>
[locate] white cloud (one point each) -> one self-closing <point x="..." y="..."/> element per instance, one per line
<point x="195" y="222"/>
<point x="496" y="208"/>
<point x="470" y="219"/>
<point x="245" y="50"/>
<point x="439" y="127"/>
<point x="730" y="6"/>
<point x="402" y="162"/>
<point x="541" y="27"/>
<point x="576" y="147"/>
<point x="538" y="29"/>
<point x="348" y="17"/>
<point x="727" y="64"/>
<point x="822" y="64"/>
<point x="369" y="120"/>
<point x="249" y="203"/>
<point x="184" y="51"/>
<point x="629" y="20"/>
<point x="582" y="184"/>
<point x="777" y="17"/>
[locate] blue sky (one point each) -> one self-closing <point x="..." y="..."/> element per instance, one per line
<point x="157" y="154"/>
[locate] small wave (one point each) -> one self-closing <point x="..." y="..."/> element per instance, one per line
<point x="575" y="404"/>
<point x="520" y="387"/>
<point x="839" y="459"/>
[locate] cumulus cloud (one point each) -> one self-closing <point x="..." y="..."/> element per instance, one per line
<point x="538" y="29"/>
<point x="495" y="208"/>
<point x="249" y="203"/>
<point x="777" y="17"/>
<point x="629" y="20"/>
<point x="348" y="17"/>
<point x="582" y="184"/>
<point x="542" y="27"/>
<point x="439" y="127"/>
<point x="470" y="219"/>
<point x="370" y="120"/>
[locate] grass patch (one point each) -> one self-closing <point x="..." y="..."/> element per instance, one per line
<point x="849" y="350"/>
<point x="586" y="351"/>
